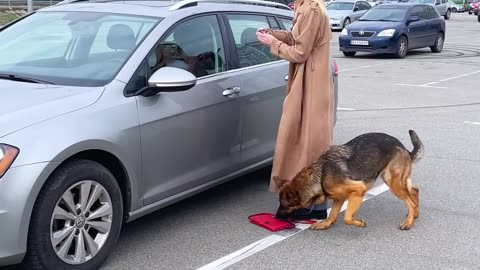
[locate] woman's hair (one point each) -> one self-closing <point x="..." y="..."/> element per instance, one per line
<point x="321" y="4"/>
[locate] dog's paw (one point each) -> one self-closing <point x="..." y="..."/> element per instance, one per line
<point x="362" y="223"/>
<point x="320" y="226"/>
<point x="405" y="227"/>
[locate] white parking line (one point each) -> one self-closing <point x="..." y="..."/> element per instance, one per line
<point x="362" y="67"/>
<point x="271" y="240"/>
<point x="471" y="123"/>
<point x="345" y="109"/>
<point x="431" y="84"/>
<point x="421" y="85"/>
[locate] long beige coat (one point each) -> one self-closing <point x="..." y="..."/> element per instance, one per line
<point x="306" y="125"/>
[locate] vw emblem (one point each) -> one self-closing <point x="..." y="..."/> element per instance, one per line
<point x="80" y="222"/>
<point x="361" y="33"/>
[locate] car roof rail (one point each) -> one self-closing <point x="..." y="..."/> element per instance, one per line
<point x="189" y="3"/>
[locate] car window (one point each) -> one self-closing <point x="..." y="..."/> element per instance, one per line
<point x="250" y="51"/>
<point x="364" y="6"/>
<point x="431" y="13"/>
<point x="287" y="23"/>
<point x="194" y="45"/>
<point x="273" y="23"/>
<point x="419" y="11"/>
<point x="100" y="44"/>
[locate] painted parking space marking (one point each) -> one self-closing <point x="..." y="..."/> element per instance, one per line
<point x="471" y="123"/>
<point x="275" y="238"/>
<point x="431" y="84"/>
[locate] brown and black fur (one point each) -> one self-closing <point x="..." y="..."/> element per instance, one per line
<point x="346" y="172"/>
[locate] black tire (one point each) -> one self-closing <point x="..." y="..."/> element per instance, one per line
<point x="40" y="252"/>
<point x="347" y="22"/>
<point x="470" y="12"/>
<point x="439" y="42"/>
<point x="448" y="14"/>
<point x="402" y="47"/>
<point x="478" y="18"/>
<point x="349" y="54"/>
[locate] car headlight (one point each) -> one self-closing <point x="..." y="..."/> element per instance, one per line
<point x="387" y="33"/>
<point x="338" y="18"/>
<point x="344" y="32"/>
<point x="8" y="154"/>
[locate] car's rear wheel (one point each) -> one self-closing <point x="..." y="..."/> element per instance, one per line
<point x="347" y="22"/>
<point x="76" y="219"/>
<point x="478" y="18"/>
<point x="402" y="47"/>
<point x="439" y="41"/>
<point x="470" y="12"/>
<point x="349" y="54"/>
<point x="448" y="14"/>
<point x="454" y="10"/>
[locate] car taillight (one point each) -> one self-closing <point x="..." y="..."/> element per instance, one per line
<point x="335" y="67"/>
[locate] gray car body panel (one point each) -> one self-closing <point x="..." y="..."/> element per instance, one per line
<point x="57" y="122"/>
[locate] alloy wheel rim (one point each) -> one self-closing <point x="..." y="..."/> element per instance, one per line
<point x="81" y="222"/>
<point x="403" y="46"/>
<point x="439" y="42"/>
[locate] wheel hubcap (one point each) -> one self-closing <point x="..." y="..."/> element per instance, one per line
<point x="81" y="222"/>
<point x="402" y="47"/>
<point x="439" y="42"/>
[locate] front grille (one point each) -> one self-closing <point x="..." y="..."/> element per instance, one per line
<point x="365" y="34"/>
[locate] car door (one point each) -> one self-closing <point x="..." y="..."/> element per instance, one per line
<point x="417" y="30"/>
<point x="358" y="10"/>
<point x="188" y="138"/>
<point x="434" y="25"/>
<point x="262" y="83"/>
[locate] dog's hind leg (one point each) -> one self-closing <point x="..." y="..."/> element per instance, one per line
<point x="397" y="177"/>
<point x="332" y="218"/>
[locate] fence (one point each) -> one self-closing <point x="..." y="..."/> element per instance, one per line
<point x="23" y="3"/>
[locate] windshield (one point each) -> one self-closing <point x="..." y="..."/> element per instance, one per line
<point x="385" y="14"/>
<point x="340" y="6"/>
<point x="71" y="48"/>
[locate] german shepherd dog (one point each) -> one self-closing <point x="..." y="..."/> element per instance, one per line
<point x="346" y="172"/>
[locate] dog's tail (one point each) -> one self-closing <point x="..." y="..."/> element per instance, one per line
<point x="418" y="150"/>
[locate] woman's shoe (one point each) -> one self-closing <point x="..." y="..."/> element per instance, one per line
<point x="305" y="214"/>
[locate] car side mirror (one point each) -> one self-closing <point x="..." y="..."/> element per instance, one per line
<point x="413" y="19"/>
<point x="355" y="9"/>
<point x="168" y="79"/>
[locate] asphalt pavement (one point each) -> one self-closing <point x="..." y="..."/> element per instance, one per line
<point x="437" y="95"/>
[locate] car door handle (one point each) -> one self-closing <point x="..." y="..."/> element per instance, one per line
<point x="231" y="91"/>
<point x="286" y="77"/>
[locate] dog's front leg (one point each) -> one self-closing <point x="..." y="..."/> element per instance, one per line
<point x="322" y="225"/>
<point x="354" y="201"/>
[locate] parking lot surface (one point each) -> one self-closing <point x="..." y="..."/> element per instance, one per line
<point x="437" y="95"/>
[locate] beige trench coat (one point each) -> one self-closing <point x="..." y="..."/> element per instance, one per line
<point x="306" y="125"/>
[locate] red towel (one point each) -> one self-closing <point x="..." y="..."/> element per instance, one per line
<point x="269" y="222"/>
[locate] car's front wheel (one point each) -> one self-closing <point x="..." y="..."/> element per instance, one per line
<point x="349" y="54"/>
<point x="448" y="14"/>
<point x="347" y="22"/>
<point x="76" y="219"/>
<point x="439" y="41"/>
<point x="402" y="47"/>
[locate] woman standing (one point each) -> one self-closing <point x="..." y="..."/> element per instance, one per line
<point x="306" y="125"/>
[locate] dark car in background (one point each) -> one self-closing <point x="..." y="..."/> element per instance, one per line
<point x="394" y="29"/>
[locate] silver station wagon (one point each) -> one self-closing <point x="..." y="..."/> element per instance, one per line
<point x="113" y="109"/>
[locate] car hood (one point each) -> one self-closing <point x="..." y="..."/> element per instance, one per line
<point x="373" y="26"/>
<point x="338" y="13"/>
<point x="25" y="104"/>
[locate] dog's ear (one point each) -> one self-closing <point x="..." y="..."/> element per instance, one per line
<point x="279" y="181"/>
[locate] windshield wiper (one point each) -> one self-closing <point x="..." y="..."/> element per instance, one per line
<point x="18" y="78"/>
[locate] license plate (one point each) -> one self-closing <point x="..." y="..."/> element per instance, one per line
<point x="359" y="42"/>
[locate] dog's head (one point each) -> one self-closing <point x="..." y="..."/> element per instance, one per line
<point x="293" y="196"/>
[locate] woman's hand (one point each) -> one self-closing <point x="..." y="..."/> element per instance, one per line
<point x="264" y="38"/>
